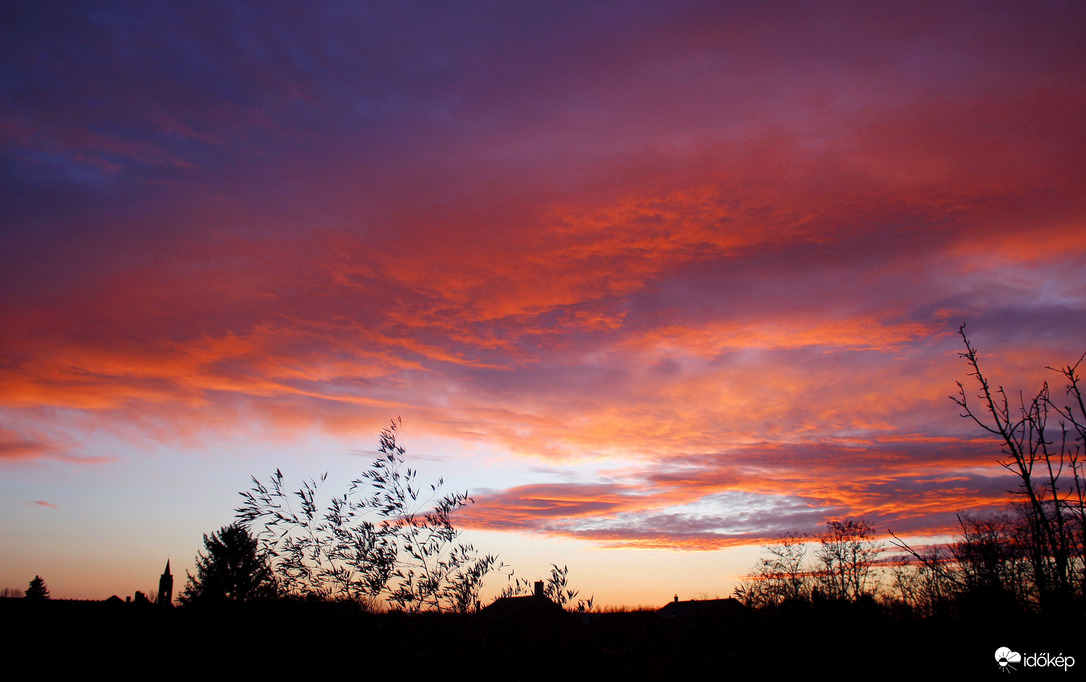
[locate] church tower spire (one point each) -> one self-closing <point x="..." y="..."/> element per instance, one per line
<point x="165" y="587"/>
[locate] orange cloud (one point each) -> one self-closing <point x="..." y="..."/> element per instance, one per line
<point x="748" y="495"/>
<point x="15" y="447"/>
<point x="759" y="322"/>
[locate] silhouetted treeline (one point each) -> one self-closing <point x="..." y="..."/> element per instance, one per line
<point x="1030" y="559"/>
<point x="287" y="635"/>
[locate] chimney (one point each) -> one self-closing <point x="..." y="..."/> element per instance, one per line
<point x="539" y="588"/>
<point x="676" y="599"/>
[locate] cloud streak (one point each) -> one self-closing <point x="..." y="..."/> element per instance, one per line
<point x="753" y="493"/>
<point x="725" y="246"/>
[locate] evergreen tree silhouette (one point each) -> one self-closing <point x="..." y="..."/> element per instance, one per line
<point x="37" y="589"/>
<point x="233" y="570"/>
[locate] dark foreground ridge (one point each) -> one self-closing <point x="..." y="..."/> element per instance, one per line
<point x="521" y="642"/>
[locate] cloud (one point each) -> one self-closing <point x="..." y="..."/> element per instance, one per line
<point x="37" y="437"/>
<point x="754" y="493"/>
<point x="728" y="246"/>
<point x="13" y="447"/>
<point x="25" y="445"/>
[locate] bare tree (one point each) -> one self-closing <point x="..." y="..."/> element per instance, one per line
<point x="846" y="556"/>
<point x="1046" y="459"/>
<point x="991" y="560"/>
<point x="924" y="583"/>
<point x="843" y="566"/>
<point x="780" y="574"/>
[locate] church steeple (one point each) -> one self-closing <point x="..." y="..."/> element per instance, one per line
<point x="165" y="587"/>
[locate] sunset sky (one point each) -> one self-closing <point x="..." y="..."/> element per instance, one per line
<point x="655" y="282"/>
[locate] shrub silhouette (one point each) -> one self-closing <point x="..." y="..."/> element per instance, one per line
<point x="382" y="539"/>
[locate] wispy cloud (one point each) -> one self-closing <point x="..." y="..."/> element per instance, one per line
<point x="728" y="246"/>
<point x="756" y="492"/>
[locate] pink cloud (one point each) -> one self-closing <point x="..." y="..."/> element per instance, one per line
<point x="729" y="248"/>
<point x="752" y="494"/>
<point x="17" y="447"/>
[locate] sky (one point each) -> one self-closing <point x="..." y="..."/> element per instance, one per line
<point x="653" y="282"/>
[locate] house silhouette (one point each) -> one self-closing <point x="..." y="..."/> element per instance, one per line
<point x="695" y="609"/>
<point x="535" y="608"/>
